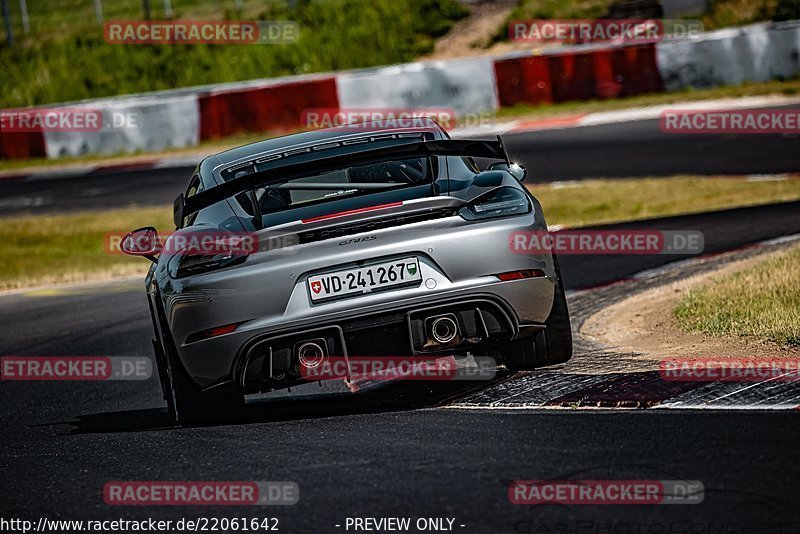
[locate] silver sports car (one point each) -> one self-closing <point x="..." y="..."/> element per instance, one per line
<point x="371" y="241"/>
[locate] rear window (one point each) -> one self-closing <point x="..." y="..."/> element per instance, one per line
<point x="312" y="194"/>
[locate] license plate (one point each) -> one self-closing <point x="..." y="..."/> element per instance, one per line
<point x="367" y="279"/>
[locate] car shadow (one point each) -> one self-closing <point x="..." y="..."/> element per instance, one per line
<point x="393" y="397"/>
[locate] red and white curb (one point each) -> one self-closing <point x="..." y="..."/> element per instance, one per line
<point x="634" y="390"/>
<point x="640" y="389"/>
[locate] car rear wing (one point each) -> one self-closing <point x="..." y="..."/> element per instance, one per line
<point x="288" y="170"/>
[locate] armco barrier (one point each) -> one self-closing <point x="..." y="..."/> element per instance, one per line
<point x="636" y="69"/>
<point x="608" y="72"/>
<point x="146" y="124"/>
<point x="754" y="53"/>
<point x="21" y="145"/>
<point x="465" y="86"/>
<point x="276" y="107"/>
<point x="523" y="80"/>
<point x="572" y="76"/>
<point x="626" y="71"/>
<point x="608" y="83"/>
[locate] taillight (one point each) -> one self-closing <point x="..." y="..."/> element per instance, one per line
<point x="204" y="252"/>
<point x="212" y="332"/>
<point x="501" y="202"/>
<point x="520" y="275"/>
<point x="190" y="264"/>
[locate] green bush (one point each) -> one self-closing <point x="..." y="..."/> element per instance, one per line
<point x="70" y="62"/>
<point x="552" y="9"/>
<point x="787" y="10"/>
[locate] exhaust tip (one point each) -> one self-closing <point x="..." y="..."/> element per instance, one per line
<point x="444" y="329"/>
<point x="311" y="354"/>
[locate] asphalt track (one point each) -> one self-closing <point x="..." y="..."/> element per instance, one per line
<point x="631" y="149"/>
<point x="400" y="452"/>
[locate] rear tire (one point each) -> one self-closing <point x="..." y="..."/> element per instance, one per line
<point x="192" y="406"/>
<point x="186" y="403"/>
<point x="551" y="346"/>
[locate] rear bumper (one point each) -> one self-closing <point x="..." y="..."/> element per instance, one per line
<point x="521" y="306"/>
<point x="269" y="295"/>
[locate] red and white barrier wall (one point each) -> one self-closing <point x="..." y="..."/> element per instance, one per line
<point x="759" y="53"/>
<point x="268" y="107"/>
<point x="148" y="124"/>
<point x="464" y="86"/>
<point x="181" y="118"/>
<point x="598" y="73"/>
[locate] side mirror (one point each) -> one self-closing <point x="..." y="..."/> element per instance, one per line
<point x="177" y="210"/>
<point x="515" y="169"/>
<point x="142" y="242"/>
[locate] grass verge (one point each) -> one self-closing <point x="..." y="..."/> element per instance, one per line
<point x="607" y="201"/>
<point x="47" y="249"/>
<point x="762" y="303"/>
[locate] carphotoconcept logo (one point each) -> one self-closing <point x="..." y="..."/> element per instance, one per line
<point x="215" y="32"/>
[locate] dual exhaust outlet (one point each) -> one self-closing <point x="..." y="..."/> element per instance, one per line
<point x="440" y="330"/>
<point x="312" y="353"/>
